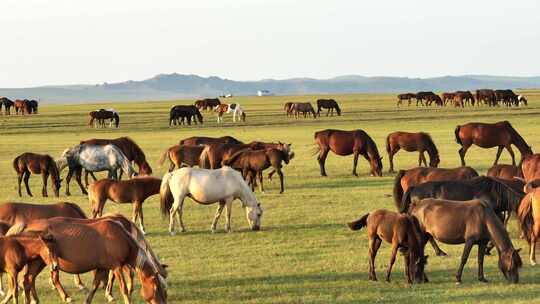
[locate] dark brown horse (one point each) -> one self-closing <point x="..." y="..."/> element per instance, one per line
<point x="180" y="155"/>
<point x="179" y="113"/>
<point x="487" y="96"/>
<point x="505" y="171"/>
<point x="356" y="142"/>
<point x="252" y="163"/>
<point x="415" y="176"/>
<point x="28" y="163"/>
<point x="32" y="106"/>
<point x="407" y="96"/>
<point x="470" y="223"/>
<point x="500" y="134"/>
<point x="466" y="97"/>
<point x="403" y="233"/>
<point x="420" y="96"/>
<point x="304" y="108"/>
<point x="8" y="104"/>
<point x="430" y="99"/>
<point x="134" y="191"/>
<point x="207" y="103"/>
<point x="410" y="142"/>
<point x="329" y="104"/>
<point x="203" y="140"/>
<point x="98" y="117"/>
<point x="288" y="108"/>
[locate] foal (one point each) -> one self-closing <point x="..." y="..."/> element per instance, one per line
<point x="28" y="163"/>
<point x="402" y="232"/>
<point x="133" y="191"/>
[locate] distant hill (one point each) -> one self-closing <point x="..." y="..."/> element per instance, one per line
<point x="170" y="86"/>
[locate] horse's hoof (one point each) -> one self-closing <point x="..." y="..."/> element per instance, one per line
<point x="458" y="283"/>
<point x="483" y="280"/>
<point x="2" y="293"/>
<point x="172" y="233"/>
<point x="533" y="263"/>
<point x="109" y="298"/>
<point x="82" y="287"/>
<point x="68" y="300"/>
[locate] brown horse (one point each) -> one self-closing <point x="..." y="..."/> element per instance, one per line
<point x="288" y="108"/>
<point x="420" y="96"/>
<point x="214" y="154"/>
<point x="487" y="96"/>
<point x="179" y="113"/>
<point x="472" y="223"/>
<point x="133" y="191"/>
<point x="505" y="171"/>
<point x="8" y="104"/>
<point x="403" y="233"/>
<point x="410" y="142"/>
<point x="28" y="163"/>
<point x="252" y="163"/>
<point x="17" y="251"/>
<point x="329" y="104"/>
<point x="458" y="101"/>
<point x="447" y="97"/>
<point x="529" y="217"/>
<point x="356" y="142"/>
<point x="207" y="103"/>
<point x="100" y="116"/>
<point x="180" y="155"/>
<point x="21" y="107"/>
<point x="500" y="134"/>
<point x="407" y="96"/>
<point x="434" y="98"/>
<point x="106" y="245"/>
<point x="304" y="108"/>
<point x="530" y="167"/>
<point x="415" y="176"/>
<point x="202" y="140"/>
<point x="466" y="97"/>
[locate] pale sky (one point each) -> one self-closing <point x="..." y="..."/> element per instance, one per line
<point x="49" y="42"/>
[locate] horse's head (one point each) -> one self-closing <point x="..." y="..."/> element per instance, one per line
<point x="145" y="169"/>
<point x="376" y="166"/>
<point x="416" y="269"/>
<point x="509" y="264"/>
<point x="434" y="161"/>
<point x="253" y="215"/>
<point x="49" y="251"/>
<point x="153" y="288"/>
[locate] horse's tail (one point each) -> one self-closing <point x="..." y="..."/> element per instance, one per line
<point x="166" y="198"/>
<point x="77" y="209"/>
<point x="525" y="217"/>
<point x="388" y="148"/>
<point x="398" y="189"/>
<point x="16" y="228"/>
<point x="164" y="154"/>
<point x="203" y="159"/>
<point x="91" y="121"/>
<point x="456" y="133"/>
<point x="359" y="223"/>
<point x="403" y="205"/>
<point x="16" y="163"/>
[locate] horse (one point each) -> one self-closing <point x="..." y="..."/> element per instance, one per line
<point x="206" y="187"/>
<point x="403" y="233"/>
<point x="356" y="142"/>
<point x="520" y="99"/>
<point x="458" y="101"/>
<point x="447" y="97"/>
<point x="134" y="191"/>
<point x="32" y="106"/>
<point x="530" y="167"/>
<point x="304" y="108"/>
<point x="505" y="171"/>
<point x="106" y="245"/>
<point x="407" y="97"/>
<point x="434" y="98"/>
<point x="253" y="162"/>
<point x="485" y="135"/>
<point x="207" y="103"/>
<point x="329" y="104"/>
<point x="507" y="97"/>
<point x="529" y="217"/>
<point x="410" y="142"/>
<point x="487" y="96"/>
<point x="28" y="163"/>
<point x="180" y="112"/>
<point x="180" y="155"/>
<point x="99" y="116"/>
<point x="93" y="158"/>
<point x="420" y="96"/>
<point x="129" y="147"/>
<point x="466" y="96"/>
<point x="7" y="105"/>
<point x="472" y="223"/>
<point x="17" y="251"/>
<point x="21" y="107"/>
<point x="235" y="108"/>
<point x="415" y="176"/>
<point x="288" y="108"/>
<point x="202" y="140"/>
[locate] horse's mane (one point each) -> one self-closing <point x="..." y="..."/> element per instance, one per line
<point x="507" y="197"/>
<point x="520" y="143"/>
<point x="371" y="146"/>
<point x="430" y="144"/>
<point x="134" y="149"/>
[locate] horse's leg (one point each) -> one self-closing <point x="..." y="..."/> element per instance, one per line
<point x="137" y="210"/>
<point x="68" y="179"/>
<point x="374" y="244"/>
<point x="260" y="175"/>
<point x="219" y="210"/>
<point x="110" y="284"/>
<point x="438" y="250"/>
<point x="129" y="279"/>
<point x="355" y="163"/>
<point x="481" y="253"/>
<point x="509" y="148"/>
<point x="464" y="257"/>
<point x="392" y="259"/>
<point x="29" y="281"/>
<point x="19" y="180"/>
<point x="499" y="151"/>
<point x="12" y="284"/>
<point x="2" y="293"/>
<point x="55" y="277"/>
<point x="423" y="159"/>
<point x="281" y="180"/>
<point x="45" y="176"/>
<point x="462" y="151"/>
<point x="391" y="154"/>
<point x="78" y="176"/>
<point x="99" y="276"/>
<point x="123" y="287"/>
<point x="323" y="153"/>
<point x="228" y="206"/>
<point x="532" y="249"/>
<point x="26" y="178"/>
<point x="78" y="282"/>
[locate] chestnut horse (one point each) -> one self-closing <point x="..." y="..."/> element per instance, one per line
<point x="530" y="167"/>
<point x="202" y="140"/>
<point x="28" y="163"/>
<point x="403" y="233"/>
<point x="356" y="142"/>
<point x="472" y="223"/>
<point x="415" y="176"/>
<point x="485" y="135"/>
<point x="505" y="171"/>
<point x="180" y="155"/>
<point x="21" y="107"/>
<point x="133" y="191"/>
<point x="288" y="108"/>
<point x="529" y="217"/>
<point x="410" y="142"/>
<point x="101" y="246"/>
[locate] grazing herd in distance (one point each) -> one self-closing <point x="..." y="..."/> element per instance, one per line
<point x="487" y="97"/>
<point x="21" y="106"/>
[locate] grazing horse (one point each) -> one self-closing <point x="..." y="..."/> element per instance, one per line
<point x="252" y="163"/>
<point x="7" y="105"/>
<point x="235" y="108"/>
<point x="466" y="97"/>
<point x="434" y="99"/>
<point x="202" y="140"/>
<point x="289" y="107"/>
<point x="180" y="155"/>
<point x="21" y="107"/>
<point x="472" y="223"/>
<point x="206" y="187"/>
<point x="415" y="176"/>
<point x="458" y="101"/>
<point x="178" y="113"/>
<point x="447" y="97"/>
<point x="28" y="163"/>
<point x="97" y="118"/>
<point x="529" y="217"/>
<point x="356" y="142"/>
<point x="520" y="99"/>
<point x="304" y="108"/>
<point x="32" y="106"/>
<point x="329" y="104"/>
<point x="207" y="103"/>
<point x="93" y="158"/>
<point x="500" y="134"/>
<point x="410" y="142"/>
<point x="420" y="96"/>
<point x="134" y="191"/>
<point x="407" y="96"/>
<point x="487" y="96"/>
<point x="505" y="171"/>
<point x="403" y="233"/>
<point x="102" y="245"/>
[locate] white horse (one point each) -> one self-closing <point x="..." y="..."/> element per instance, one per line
<point x="235" y="108"/>
<point x="93" y="158"/>
<point x="206" y="187"/>
<point x="521" y="100"/>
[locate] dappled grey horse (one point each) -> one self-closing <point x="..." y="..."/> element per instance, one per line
<point x="93" y="158"/>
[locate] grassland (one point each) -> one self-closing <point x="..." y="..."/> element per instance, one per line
<point x="304" y="253"/>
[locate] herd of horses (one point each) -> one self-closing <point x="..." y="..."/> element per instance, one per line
<point x="184" y="114"/>
<point x="461" y="99"/>
<point x="305" y="109"/>
<point x="21" y="106"/>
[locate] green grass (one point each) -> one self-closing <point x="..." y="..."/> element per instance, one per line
<point x="304" y="253"/>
